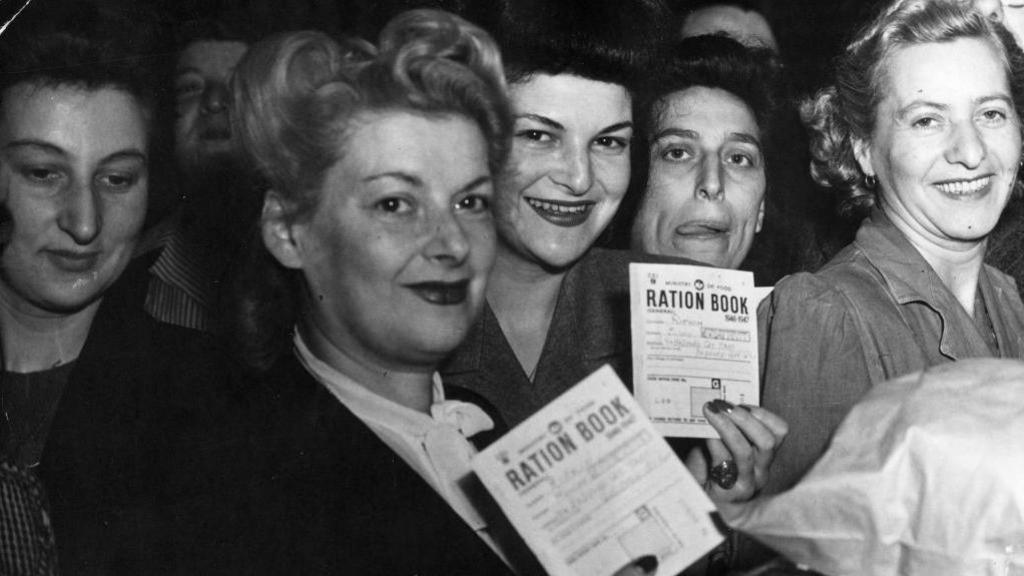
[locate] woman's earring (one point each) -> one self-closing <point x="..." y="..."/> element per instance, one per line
<point x="870" y="181"/>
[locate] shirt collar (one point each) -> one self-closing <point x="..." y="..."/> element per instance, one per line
<point x="583" y="318"/>
<point x="910" y="278"/>
<point x="373" y="408"/>
<point x="908" y="275"/>
<point x="177" y="268"/>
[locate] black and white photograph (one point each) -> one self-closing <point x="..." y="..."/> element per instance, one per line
<point x="512" y="287"/>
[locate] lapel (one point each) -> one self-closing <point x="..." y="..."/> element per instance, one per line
<point x="592" y="314"/>
<point x="590" y="328"/>
<point x="97" y="419"/>
<point x="912" y="281"/>
<point x="1004" y="307"/>
<point x="341" y="497"/>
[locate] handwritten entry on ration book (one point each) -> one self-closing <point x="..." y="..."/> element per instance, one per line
<point x="591" y="486"/>
<point x="694" y="332"/>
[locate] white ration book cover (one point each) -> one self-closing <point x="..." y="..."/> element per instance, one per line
<point x="694" y="332"/>
<point x="591" y="485"/>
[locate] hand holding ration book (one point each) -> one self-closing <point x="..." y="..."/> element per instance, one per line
<point x="592" y="486"/>
<point x="694" y="332"/>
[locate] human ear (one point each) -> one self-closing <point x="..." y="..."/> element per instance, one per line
<point x="862" y="152"/>
<point x="760" y="217"/>
<point x="278" y="231"/>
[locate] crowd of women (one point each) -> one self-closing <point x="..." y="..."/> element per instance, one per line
<point x="440" y="246"/>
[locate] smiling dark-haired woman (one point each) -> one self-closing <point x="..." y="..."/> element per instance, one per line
<point x="557" y="307"/>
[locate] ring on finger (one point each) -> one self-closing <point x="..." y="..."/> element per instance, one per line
<point x="725" y="474"/>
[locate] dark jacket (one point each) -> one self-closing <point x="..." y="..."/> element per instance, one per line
<point x="330" y="497"/>
<point x="128" y="458"/>
<point x="590" y="328"/>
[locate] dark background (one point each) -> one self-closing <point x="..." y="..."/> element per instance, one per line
<point x="802" y="230"/>
<point x="810" y="32"/>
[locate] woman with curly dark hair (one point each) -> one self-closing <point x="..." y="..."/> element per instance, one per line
<point x="705" y="123"/>
<point x="922" y="133"/>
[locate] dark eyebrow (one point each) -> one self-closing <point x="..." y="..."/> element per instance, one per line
<point x="542" y="119"/>
<point x="616" y="127"/>
<point x="407" y="178"/>
<point x="413" y="180"/>
<point x="479" y="181"/>
<point x="681" y="132"/>
<point x="1005" y="99"/>
<point x="43" y="146"/>
<point x="903" y="112"/>
<point x="126" y="154"/>
<point x="692" y="134"/>
<point x="748" y="138"/>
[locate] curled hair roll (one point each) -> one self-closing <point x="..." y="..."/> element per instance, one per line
<point x="443" y="64"/>
<point x="833" y="164"/>
<point x="283" y="127"/>
<point x="296" y="93"/>
<point x="420" y="38"/>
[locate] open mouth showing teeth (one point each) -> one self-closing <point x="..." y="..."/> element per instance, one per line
<point x="964" y="187"/>
<point x="561" y="213"/>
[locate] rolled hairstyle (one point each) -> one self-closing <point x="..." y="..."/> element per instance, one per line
<point x="297" y="98"/>
<point x="613" y="41"/>
<point x="604" y="40"/>
<point x="844" y="113"/>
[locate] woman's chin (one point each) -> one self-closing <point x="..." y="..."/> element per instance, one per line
<point x="971" y="230"/>
<point x="439" y="340"/>
<point x="555" y="255"/>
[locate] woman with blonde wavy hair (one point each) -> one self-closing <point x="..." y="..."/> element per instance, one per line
<point x="377" y="239"/>
<point x="921" y="134"/>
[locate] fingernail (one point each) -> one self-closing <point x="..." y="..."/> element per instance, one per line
<point x="718" y="406"/>
<point x="647" y="563"/>
<point x="713" y="407"/>
<point x="744" y="406"/>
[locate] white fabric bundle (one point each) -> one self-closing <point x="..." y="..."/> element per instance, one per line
<point x="924" y="477"/>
